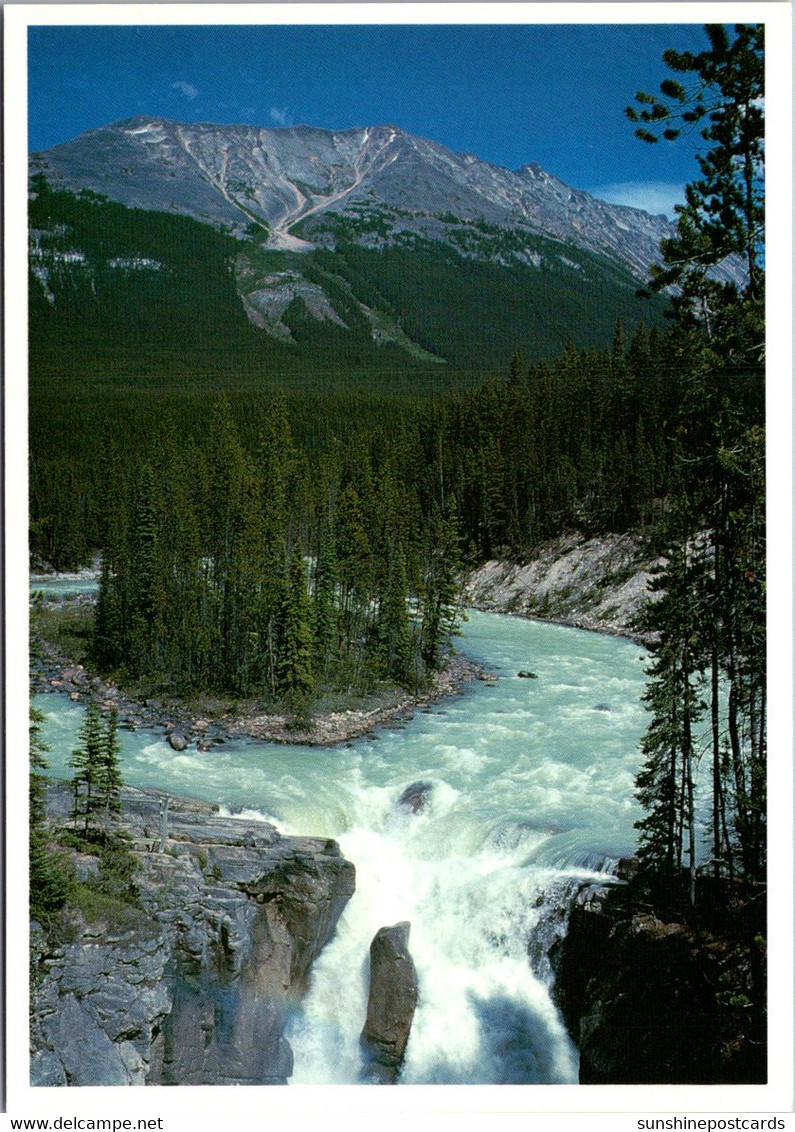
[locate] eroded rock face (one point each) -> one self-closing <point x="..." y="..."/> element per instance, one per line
<point x="391" y="1003"/>
<point x="193" y="989"/>
<point x="597" y="583"/>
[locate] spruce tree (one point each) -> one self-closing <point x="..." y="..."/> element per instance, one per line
<point x="723" y="217"/>
<point x="89" y="763"/>
<point x="442" y="599"/>
<point x="295" y="634"/>
<point x="354" y="562"/>
<point x="717" y="346"/>
<point x="49" y="884"/>
<point x="665" y="783"/>
<point x="110" y="774"/>
<point x="324" y="605"/>
<point x="393" y="639"/>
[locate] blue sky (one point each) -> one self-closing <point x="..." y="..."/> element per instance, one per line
<point x="510" y="94"/>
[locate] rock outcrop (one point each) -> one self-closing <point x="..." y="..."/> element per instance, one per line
<point x="391" y="1003"/>
<point x="656" y="995"/>
<point x="193" y="985"/>
<point x="597" y="583"/>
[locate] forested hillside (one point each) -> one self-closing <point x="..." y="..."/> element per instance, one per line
<point x="279" y="512"/>
<point x="140" y="320"/>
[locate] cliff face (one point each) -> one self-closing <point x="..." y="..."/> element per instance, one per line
<point x="656" y="995"/>
<point x="194" y="987"/>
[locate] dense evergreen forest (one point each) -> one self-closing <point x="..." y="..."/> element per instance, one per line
<point x="315" y="540"/>
<point x="710" y="619"/>
<point x="138" y="324"/>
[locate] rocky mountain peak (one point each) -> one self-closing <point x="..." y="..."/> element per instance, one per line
<point x="236" y="175"/>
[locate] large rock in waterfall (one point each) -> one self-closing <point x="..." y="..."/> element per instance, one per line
<point x="415" y="796"/>
<point x="391" y="1004"/>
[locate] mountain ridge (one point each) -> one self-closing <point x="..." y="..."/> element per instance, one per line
<point x="239" y="176"/>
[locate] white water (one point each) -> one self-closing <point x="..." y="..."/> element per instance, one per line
<point x="531" y="794"/>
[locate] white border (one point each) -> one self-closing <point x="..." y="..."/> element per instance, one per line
<point x="342" y="1106"/>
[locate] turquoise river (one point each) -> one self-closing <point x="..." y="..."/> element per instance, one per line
<point x="531" y="795"/>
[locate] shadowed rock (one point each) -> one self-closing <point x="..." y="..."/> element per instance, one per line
<point x="415" y="796"/>
<point x="650" y="998"/>
<point x="391" y="1004"/>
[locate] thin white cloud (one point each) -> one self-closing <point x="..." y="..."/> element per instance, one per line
<point x="279" y="116"/>
<point x="188" y="89"/>
<point x="656" y="197"/>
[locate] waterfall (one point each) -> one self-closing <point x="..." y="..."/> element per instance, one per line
<point x="527" y="794"/>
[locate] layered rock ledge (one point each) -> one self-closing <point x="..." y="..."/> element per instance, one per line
<point x="193" y="986"/>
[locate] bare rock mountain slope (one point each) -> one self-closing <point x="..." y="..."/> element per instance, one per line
<point x="236" y="176"/>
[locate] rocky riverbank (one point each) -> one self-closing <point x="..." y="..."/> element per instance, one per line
<point x="215" y="721"/>
<point x="599" y="584"/>
<point x="192" y="984"/>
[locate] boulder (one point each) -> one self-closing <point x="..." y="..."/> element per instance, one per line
<point x="177" y="741"/>
<point x="415" y="796"/>
<point x="526" y="675"/>
<point x="391" y="1003"/>
<point x="85" y="865"/>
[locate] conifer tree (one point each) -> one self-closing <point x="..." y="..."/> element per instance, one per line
<point x="295" y="633"/>
<point x="49" y="885"/>
<point x="717" y="461"/>
<point x="104" y="645"/>
<point x="110" y="780"/>
<point x="38" y="766"/>
<point x="275" y="600"/>
<point x="665" y="783"/>
<point x="354" y="558"/>
<point x="97" y="779"/>
<point x="393" y="629"/>
<point x="324" y="605"/>
<point x="441" y="608"/>
<point x="724" y="212"/>
<point x="88" y="761"/>
<point x="144" y="540"/>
